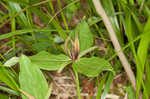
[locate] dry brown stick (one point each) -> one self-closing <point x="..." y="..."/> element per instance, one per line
<point x="115" y="42"/>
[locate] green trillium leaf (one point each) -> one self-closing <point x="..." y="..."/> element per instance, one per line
<point x="31" y="79"/>
<point x="47" y="61"/>
<point x="91" y="67"/>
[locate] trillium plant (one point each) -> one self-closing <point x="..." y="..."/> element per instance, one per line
<point x="76" y="46"/>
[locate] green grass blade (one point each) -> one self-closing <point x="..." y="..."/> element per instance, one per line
<point x="8" y="90"/>
<point x="20" y="32"/>
<point x="4" y="17"/>
<point x="6" y="78"/>
<point x="62" y="15"/>
<point x="107" y="86"/>
<point x="54" y="23"/>
<point x="109" y="8"/>
<point x="13" y="27"/>
<point x="22" y="18"/>
<point x="147" y="73"/>
<point x="142" y="56"/>
<point x="100" y="87"/>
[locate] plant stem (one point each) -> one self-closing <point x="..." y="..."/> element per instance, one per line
<point x="115" y="42"/>
<point x="77" y="82"/>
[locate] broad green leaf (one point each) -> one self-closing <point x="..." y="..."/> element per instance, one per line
<point x="31" y="79"/>
<point x="85" y="36"/>
<point x="91" y="67"/>
<point x="11" y="62"/>
<point x="7" y="78"/>
<point x="48" y="94"/>
<point x="47" y="61"/>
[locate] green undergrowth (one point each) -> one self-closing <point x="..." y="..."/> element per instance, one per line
<point x="58" y="35"/>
